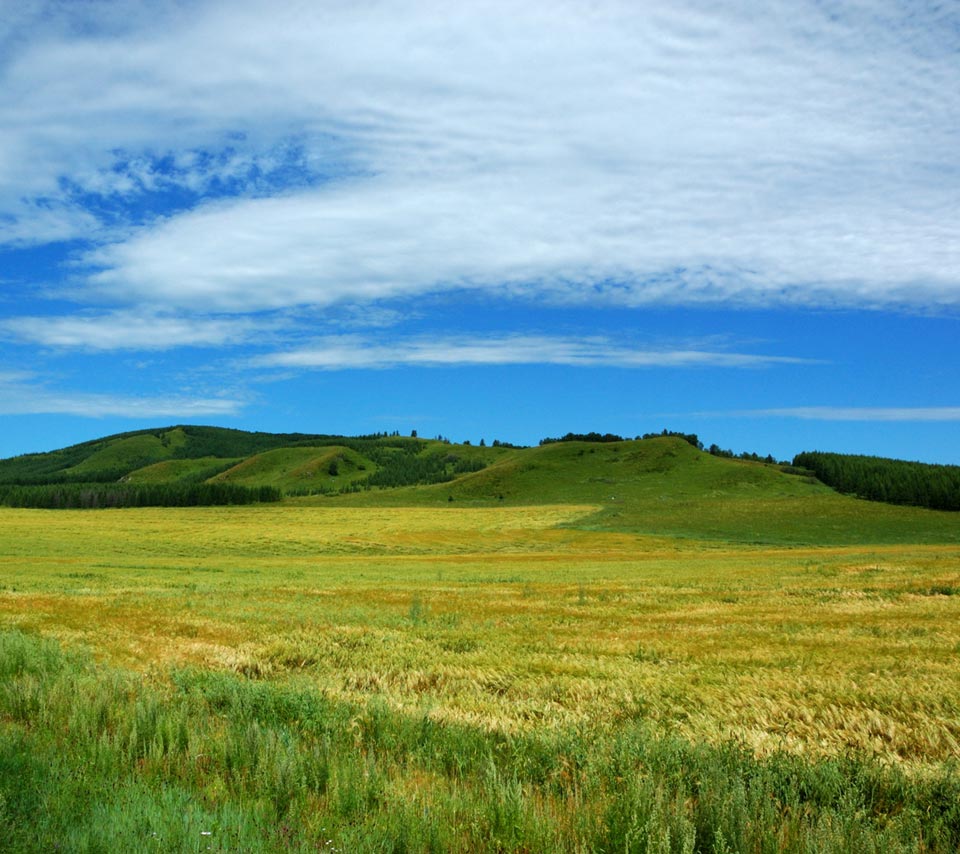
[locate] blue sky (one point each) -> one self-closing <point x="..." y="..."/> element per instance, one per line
<point x="483" y="220"/>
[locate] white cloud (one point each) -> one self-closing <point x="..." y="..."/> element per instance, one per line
<point x="849" y="413"/>
<point x="10" y="377"/>
<point x="25" y="392"/>
<point x="20" y="399"/>
<point x="126" y="330"/>
<point x="355" y="351"/>
<point x="629" y="153"/>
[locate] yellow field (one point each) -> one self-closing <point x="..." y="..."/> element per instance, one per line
<point x="500" y="618"/>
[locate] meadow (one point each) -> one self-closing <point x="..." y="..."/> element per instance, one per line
<point x="318" y="676"/>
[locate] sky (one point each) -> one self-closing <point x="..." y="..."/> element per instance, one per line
<point x="483" y="220"/>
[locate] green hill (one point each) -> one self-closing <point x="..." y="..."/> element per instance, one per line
<point x="296" y="469"/>
<point x="295" y="463"/>
<point x="129" y="453"/>
<point x="114" y="457"/>
<point x="661" y="485"/>
<point x="611" y="472"/>
<point x="666" y="486"/>
<point x="181" y="471"/>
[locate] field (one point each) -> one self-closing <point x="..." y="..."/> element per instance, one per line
<point x="320" y="676"/>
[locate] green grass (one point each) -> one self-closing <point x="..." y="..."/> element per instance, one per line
<point x="311" y="676"/>
<point x="178" y="471"/>
<point x="504" y="619"/>
<point x="92" y="759"/>
<point x="664" y="486"/>
<point x="625" y="647"/>
<point x="293" y="469"/>
<point x="131" y="452"/>
<point x="661" y="486"/>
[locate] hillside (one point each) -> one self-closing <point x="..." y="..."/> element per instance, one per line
<point x="117" y="456"/>
<point x="187" y="457"/>
<point x="666" y="486"/>
<point x="661" y="485"/>
<point x="301" y="469"/>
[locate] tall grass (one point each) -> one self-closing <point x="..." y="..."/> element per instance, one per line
<point x="497" y="617"/>
<point x="98" y="759"/>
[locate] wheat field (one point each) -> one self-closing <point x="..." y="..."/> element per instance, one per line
<point x="501" y="619"/>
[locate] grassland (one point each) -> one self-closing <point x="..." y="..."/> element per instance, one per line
<point x="318" y="675"/>
<point x="176" y="471"/>
<point x="305" y="468"/>
<point x="667" y="487"/>
<point x="658" y="486"/>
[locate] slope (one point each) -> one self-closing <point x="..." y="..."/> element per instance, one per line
<point x="181" y="471"/>
<point x="116" y="456"/>
<point x="119" y="456"/>
<point x="665" y="486"/>
<point x="294" y="469"/>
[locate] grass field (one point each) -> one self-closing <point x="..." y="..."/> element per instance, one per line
<point x="486" y="678"/>
<point x="299" y="468"/>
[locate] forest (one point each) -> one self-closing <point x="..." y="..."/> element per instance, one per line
<point x="92" y="496"/>
<point x="880" y="479"/>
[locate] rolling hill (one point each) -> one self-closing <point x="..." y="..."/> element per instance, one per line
<point x="181" y="458"/>
<point x="666" y="486"/>
<point x="326" y="468"/>
<point x="659" y="485"/>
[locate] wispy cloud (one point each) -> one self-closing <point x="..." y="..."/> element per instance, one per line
<point x="848" y="413"/>
<point x="663" y="153"/>
<point x="355" y="351"/>
<point x="17" y="398"/>
<point x="29" y="393"/>
<point x="130" y="330"/>
<point x="8" y="378"/>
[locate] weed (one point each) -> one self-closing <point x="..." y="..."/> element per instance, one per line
<point x="417" y="614"/>
<point x="646" y="655"/>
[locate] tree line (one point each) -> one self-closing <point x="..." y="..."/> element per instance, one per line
<point x="880" y="479"/>
<point x="92" y="496"/>
<point x="690" y="438"/>
<point x="716" y="451"/>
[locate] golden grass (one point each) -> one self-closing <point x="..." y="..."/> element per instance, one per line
<point x="500" y="618"/>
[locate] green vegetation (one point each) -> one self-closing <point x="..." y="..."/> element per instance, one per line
<point x="308" y="675"/>
<point x="662" y="484"/>
<point x="689" y="438"/>
<point x="436" y="467"/>
<point x="100" y="496"/>
<point x="91" y="759"/>
<point x="583" y="437"/>
<point x="300" y="469"/>
<point x="666" y="486"/>
<point x="606" y="645"/>
<point x="181" y="471"/>
<point x="187" y="456"/>
<point x="288" y="677"/>
<point x="881" y="479"/>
